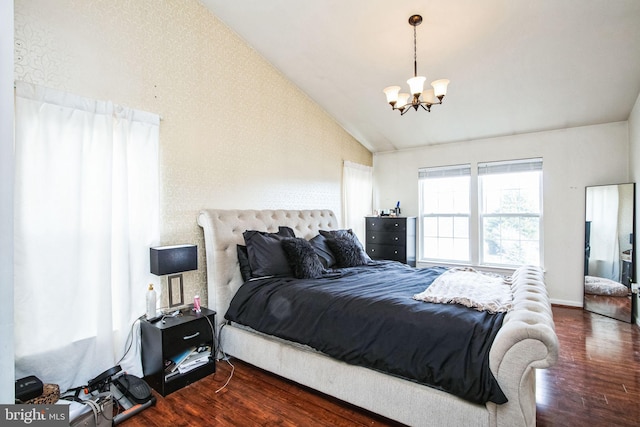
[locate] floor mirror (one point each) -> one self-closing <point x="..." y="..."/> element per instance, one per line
<point x="609" y="256"/>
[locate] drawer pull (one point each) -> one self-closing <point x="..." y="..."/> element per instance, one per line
<point x="395" y="252"/>
<point x="396" y="224"/>
<point x="373" y="250"/>
<point x="395" y="238"/>
<point x="188" y="337"/>
<point x="373" y="237"/>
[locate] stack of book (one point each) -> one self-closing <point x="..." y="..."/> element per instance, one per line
<point x="186" y="361"/>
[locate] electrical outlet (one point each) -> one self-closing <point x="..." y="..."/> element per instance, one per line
<point x="634" y="288"/>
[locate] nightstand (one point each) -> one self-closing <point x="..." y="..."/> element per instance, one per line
<point x="392" y="238"/>
<point x="164" y="341"/>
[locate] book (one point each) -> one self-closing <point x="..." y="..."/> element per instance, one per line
<point x="187" y="360"/>
<point x="195" y="359"/>
<point x="183" y="369"/>
<point x="179" y="358"/>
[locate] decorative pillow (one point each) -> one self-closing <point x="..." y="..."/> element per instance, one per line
<point x="349" y="234"/>
<point x="319" y="245"/>
<point x="243" y="260"/>
<point x="285" y="232"/>
<point x="266" y="256"/>
<point x="303" y="260"/>
<point x="348" y="252"/>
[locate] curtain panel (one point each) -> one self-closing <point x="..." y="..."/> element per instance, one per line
<point x="86" y="213"/>
<point x="357" y="196"/>
<point x="602" y="210"/>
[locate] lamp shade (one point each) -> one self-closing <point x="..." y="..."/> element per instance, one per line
<point x="392" y="94"/>
<point x="440" y="87"/>
<point x="173" y="259"/>
<point x="416" y="85"/>
<point x="403" y="100"/>
<point x="429" y="97"/>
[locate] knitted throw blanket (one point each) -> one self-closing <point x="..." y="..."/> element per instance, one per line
<point x="471" y="288"/>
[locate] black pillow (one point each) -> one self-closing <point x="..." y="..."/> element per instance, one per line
<point x="285" y="232"/>
<point x="348" y="234"/>
<point x="348" y="252"/>
<point x="319" y="244"/>
<point x="243" y="260"/>
<point x="303" y="260"/>
<point x="266" y="256"/>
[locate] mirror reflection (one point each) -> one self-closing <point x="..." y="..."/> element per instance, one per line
<point x="609" y="250"/>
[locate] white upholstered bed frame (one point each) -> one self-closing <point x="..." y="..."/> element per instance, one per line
<point x="526" y="341"/>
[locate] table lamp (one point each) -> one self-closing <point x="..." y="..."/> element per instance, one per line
<point x="170" y="260"/>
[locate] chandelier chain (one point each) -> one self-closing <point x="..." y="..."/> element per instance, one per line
<point x="415" y="55"/>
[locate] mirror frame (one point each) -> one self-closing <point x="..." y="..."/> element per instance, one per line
<point x="632" y="273"/>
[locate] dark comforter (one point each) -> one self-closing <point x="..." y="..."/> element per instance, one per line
<point x="366" y="316"/>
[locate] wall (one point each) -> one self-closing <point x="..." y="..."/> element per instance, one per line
<point x="573" y="159"/>
<point x="235" y="133"/>
<point x="634" y="166"/>
<point x="7" y="374"/>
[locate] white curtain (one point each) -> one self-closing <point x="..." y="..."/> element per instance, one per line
<point x="86" y="213"/>
<point x="357" y="196"/>
<point x="602" y="211"/>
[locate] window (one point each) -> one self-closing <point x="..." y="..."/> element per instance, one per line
<point x="445" y="212"/>
<point x="499" y="224"/>
<point x="510" y="208"/>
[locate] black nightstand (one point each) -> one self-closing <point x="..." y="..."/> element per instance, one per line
<point x="162" y="341"/>
<point x="392" y="238"/>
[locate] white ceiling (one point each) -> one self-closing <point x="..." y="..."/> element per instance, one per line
<point x="516" y="66"/>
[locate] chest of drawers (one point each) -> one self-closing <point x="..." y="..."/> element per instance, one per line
<point x="392" y="238"/>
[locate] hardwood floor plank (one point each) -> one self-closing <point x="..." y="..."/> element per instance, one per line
<point x="596" y="382"/>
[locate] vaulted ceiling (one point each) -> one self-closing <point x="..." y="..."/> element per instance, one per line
<point x="516" y="66"/>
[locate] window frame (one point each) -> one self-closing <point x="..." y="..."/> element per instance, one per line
<point x="476" y="232"/>
<point x="442" y="172"/>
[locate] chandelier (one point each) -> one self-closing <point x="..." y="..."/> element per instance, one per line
<point x="419" y="97"/>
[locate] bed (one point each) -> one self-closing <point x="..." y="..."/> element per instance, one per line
<point x="526" y="340"/>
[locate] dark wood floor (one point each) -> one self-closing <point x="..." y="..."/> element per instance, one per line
<point x="616" y="307"/>
<point x="596" y="382"/>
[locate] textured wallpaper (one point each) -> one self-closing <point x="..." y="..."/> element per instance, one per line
<point x="234" y="133"/>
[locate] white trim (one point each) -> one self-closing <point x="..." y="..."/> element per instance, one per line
<point x="7" y="368"/>
<point x="566" y="302"/>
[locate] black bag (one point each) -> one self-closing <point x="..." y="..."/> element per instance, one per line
<point x="28" y="387"/>
<point x="134" y="388"/>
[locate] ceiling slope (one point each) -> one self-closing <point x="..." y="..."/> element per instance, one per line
<point x="515" y="66"/>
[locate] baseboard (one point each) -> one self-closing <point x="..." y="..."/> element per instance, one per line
<point x="566" y="303"/>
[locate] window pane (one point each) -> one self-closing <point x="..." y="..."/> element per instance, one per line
<point x="511" y="240"/>
<point x="511" y="192"/>
<point x="445" y="227"/>
<point x="446" y="238"/>
<point x="460" y="250"/>
<point x="510" y="217"/>
<point x="430" y="247"/>
<point x="461" y="228"/>
<point x="445" y="195"/>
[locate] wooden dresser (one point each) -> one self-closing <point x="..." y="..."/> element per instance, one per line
<point x="392" y="238"/>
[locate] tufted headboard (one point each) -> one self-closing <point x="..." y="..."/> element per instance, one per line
<point x="223" y="232"/>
